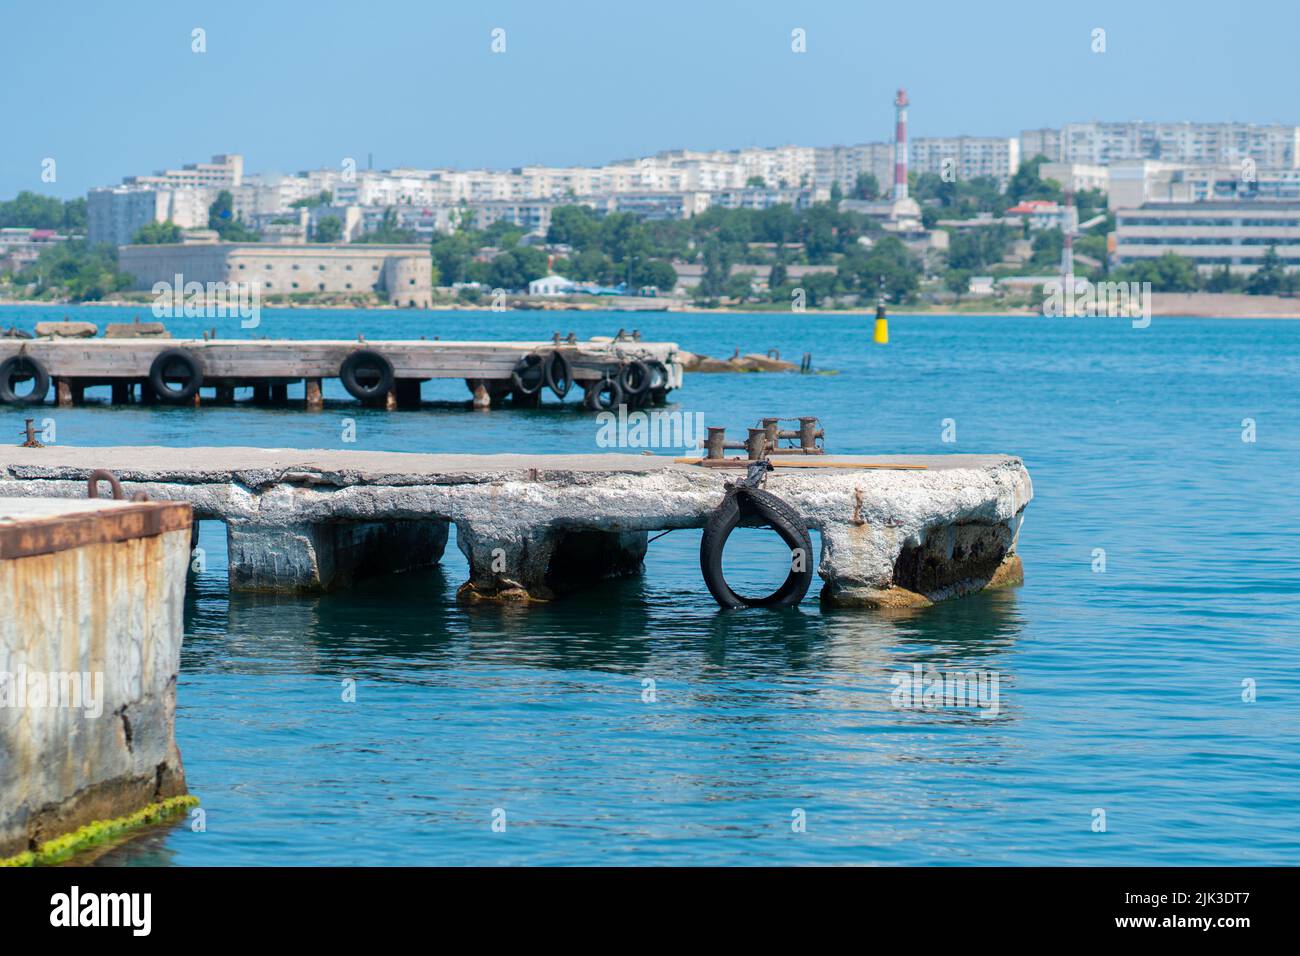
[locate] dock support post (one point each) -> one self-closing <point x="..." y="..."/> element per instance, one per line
<point x="121" y="393"/>
<point x="279" y="393"/>
<point x="315" y="401"/>
<point x="482" y="401"/>
<point x="390" y="400"/>
<point x="408" y="392"/>
<point x="261" y="394"/>
<point x="63" y="392"/>
<point x="322" y="556"/>
<point x="226" y="394"/>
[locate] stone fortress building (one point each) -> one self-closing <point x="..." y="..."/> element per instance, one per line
<point x="403" y="274"/>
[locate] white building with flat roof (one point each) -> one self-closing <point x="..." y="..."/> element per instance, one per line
<point x="1211" y="234"/>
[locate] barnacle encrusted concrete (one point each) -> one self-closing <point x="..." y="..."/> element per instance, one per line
<point x="535" y="525"/>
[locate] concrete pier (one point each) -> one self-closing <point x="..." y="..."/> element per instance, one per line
<point x="532" y="526"/>
<point x="90" y="640"/>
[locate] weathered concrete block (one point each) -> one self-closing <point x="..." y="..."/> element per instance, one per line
<point x="90" y="639"/>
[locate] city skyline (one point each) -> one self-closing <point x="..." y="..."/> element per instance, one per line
<point x="288" y="92"/>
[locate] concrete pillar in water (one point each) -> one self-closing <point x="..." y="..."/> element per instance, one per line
<point x="310" y="557"/>
<point x="314" y="400"/>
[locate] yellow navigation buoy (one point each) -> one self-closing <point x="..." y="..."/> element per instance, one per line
<point x="881" y="335"/>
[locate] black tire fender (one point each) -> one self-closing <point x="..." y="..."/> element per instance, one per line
<point x="372" y="361"/>
<point x="163" y="367"/>
<point x="780" y="517"/>
<point x="559" y="374"/>
<point x="634" y="378"/>
<point x="529" y="374"/>
<point x="594" y="401"/>
<point x="27" y="367"/>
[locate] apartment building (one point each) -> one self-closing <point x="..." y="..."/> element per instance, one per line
<point x="115" y="213"/>
<point x="1100" y="143"/>
<point x="223" y="172"/>
<point x="1212" y="234"/>
<point x="966" y="156"/>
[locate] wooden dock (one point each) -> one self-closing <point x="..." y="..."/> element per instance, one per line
<point x="386" y="373"/>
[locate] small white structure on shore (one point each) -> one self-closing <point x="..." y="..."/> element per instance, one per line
<point x="551" y="285"/>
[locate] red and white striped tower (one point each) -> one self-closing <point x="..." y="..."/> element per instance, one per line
<point x="900" y="145"/>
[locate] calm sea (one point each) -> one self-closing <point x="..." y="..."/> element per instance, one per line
<point x="636" y="724"/>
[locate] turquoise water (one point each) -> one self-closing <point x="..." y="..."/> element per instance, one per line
<point x="1119" y="691"/>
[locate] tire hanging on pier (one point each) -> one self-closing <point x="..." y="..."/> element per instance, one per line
<point x="20" y="368"/>
<point x="559" y="375"/>
<point x="750" y="504"/>
<point x="529" y="374"/>
<point x="367" y="375"/>
<point x="603" y="396"/>
<point x="634" y="378"/>
<point x="176" y="366"/>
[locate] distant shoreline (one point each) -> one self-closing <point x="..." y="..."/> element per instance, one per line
<point x="1165" y="305"/>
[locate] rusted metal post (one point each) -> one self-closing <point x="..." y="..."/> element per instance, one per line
<point x="715" y="443"/>
<point x="756" y="443"/>
<point x="808" y="434"/>
<point x="315" y="401"/>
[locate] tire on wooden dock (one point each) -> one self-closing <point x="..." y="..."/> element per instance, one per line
<point x="367" y="375"/>
<point x="19" y="368"/>
<point x="754" y="503"/>
<point x="559" y="374"/>
<point x="634" y="378"/>
<point x="529" y="374"/>
<point x="176" y="365"/>
<point x="595" y="401"/>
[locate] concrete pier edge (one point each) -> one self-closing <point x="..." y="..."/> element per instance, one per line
<point x="313" y="520"/>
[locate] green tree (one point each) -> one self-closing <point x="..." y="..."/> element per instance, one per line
<point x="957" y="281"/>
<point x="328" y="229"/>
<point x="1269" y="278"/>
<point x="221" y="217"/>
<point x="157" y="233"/>
<point x="76" y="269"/>
<point x="323" y="198"/>
<point x="866" y="186"/>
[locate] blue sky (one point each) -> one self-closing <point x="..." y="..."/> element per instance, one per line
<point x="110" y="89"/>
